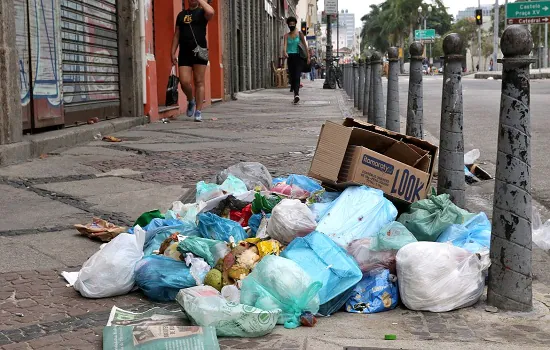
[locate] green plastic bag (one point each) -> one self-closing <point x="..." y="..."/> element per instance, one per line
<point x="428" y="218"/>
<point x="147" y="217"/>
<point x="208" y="249"/>
<point x="205" y="306"/>
<point x="393" y="236"/>
<point x="265" y="204"/>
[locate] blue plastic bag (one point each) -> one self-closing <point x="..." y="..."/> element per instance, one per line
<point x="357" y="213"/>
<point x="302" y="181"/>
<point x="156" y="236"/>
<point x="326" y="262"/>
<point x="474" y="235"/>
<point x="214" y="227"/>
<point x="336" y="304"/>
<point x="255" y="221"/>
<point x="155" y="223"/>
<point x="376" y="292"/>
<point x="160" y="278"/>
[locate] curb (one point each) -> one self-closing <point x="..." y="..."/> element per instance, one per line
<point x="498" y="76"/>
<point x="35" y="145"/>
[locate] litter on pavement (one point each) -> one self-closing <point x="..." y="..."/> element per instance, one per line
<point x="254" y="252"/>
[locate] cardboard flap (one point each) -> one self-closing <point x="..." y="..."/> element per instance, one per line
<point x="331" y="150"/>
<point x="424" y="163"/>
<point x="371" y="140"/>
<point x="403" y="153"/>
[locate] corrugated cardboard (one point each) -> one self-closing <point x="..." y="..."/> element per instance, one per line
<point x="356" y="152"/>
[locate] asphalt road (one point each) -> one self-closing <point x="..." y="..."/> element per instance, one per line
<point x="481" y="115"/>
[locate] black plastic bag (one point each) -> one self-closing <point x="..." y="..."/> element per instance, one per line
<point x="172" y="92"/>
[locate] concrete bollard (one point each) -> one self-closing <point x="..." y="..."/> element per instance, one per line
<point x="370" y="117"/>
<point x="361" y="95"/>
<point x="346" y="78"/>
<point x="451" y="145"/>
<point x="378" y="94"/>
<point x="415" y="105"/>
<point x="355" y="84"/>
<point x="366" y="94"/>
<point x="510" y="278"/>
<point x="393" y="121"/>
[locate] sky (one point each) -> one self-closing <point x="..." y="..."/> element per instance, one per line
<point x="361" y="7"/>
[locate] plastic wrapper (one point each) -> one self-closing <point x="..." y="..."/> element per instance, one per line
<point x="471" y="157"/>
<point x="270" y="247"/>
<point x="357" y="213"/>
<point x="428" y="218"/>
<point x="251" y="173"/>
<point x="474" y="235"/>
<point x="208" y="249"/>
<point x="279" y="283"/>
<point x="379" y="251"/>
<point x="205" y="306"/>
<point x="541" y="233"/>
<point x="214" y="227"/>
<point x="242" y="216"/>
<point x="290" y="219"/>
<point x="376" y="292"/>
<point x="198" y="268"/>
<point x="110" y="271"/>
<point x="160" y="278"/>
<point x="440" y="277"/>
<point x="326" y="262"/>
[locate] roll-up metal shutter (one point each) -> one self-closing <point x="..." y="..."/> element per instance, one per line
<point x="90" y="59"/>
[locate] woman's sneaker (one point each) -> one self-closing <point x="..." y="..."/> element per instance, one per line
<point x="296" y="99"/>
<point x="198" y="116"/>
<point x="191" y="108"/>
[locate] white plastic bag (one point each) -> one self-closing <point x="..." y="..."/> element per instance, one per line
<point x="541" y="233"/>
<point x="185" y="212"/>
<point x="110" y="271"/>
<point x="471" y="157"/>
<point x="440" y="277"/>
<point x="207" y="307"/>
<point x="290" y="219"/>
<point x="251" y="173"/>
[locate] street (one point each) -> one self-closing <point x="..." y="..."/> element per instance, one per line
<point x="160" y="163"/>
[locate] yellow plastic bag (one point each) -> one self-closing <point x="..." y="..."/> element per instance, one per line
<point x="271" y="247"/>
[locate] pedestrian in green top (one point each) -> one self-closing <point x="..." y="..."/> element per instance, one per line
<point x="291" y="51"/>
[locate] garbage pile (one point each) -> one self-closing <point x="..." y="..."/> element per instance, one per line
<point x="253" y="252"/>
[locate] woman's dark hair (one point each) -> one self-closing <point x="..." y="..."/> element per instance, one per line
<point x="291" y="19"/>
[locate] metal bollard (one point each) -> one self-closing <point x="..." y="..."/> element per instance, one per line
<point x="371" y="94"/>
<point x="361" y="94"/>
<point x="366" y="94"/>
<point x="393" y="121"/>
<point x="379" y="115"/>
<point x="355" y="84"/>
<point x="451" y="145"/>
<point x="346" y="78"/>
<point x="415" y="104"/>
<point x="510" y="278"/>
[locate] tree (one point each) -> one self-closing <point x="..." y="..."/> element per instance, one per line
<point x="467" y="29"/>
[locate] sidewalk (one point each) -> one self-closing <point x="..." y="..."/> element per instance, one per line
<point x="157" y="164"/>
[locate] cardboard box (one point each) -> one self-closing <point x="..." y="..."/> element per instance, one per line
<point x="359" y="153"/>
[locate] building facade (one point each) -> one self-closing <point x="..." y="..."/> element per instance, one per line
<point x="470" y="12"/>
<point x="67" y="62"/>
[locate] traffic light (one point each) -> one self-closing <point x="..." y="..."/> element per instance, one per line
<point x="479" y="17"/>
<point x="304" y="28"/>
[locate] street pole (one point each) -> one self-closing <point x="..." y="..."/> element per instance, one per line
<point x="479" y="39"/>
<point x="393" y="122"/>
<point x="415" y="104"/>
<point x="327" y="83"/>
<point x="338" y="29"/>
<point x="546" y="45"/>
<point x="495" y="34"/>
<point x="510" y="274"/>
<point x="451" y="145"/>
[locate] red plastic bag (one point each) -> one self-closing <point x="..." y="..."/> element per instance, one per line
<point x="242" y="216"/>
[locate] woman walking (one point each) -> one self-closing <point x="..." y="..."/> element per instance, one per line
<point x="190" y="36"/>
<point x="291" y="51"/>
